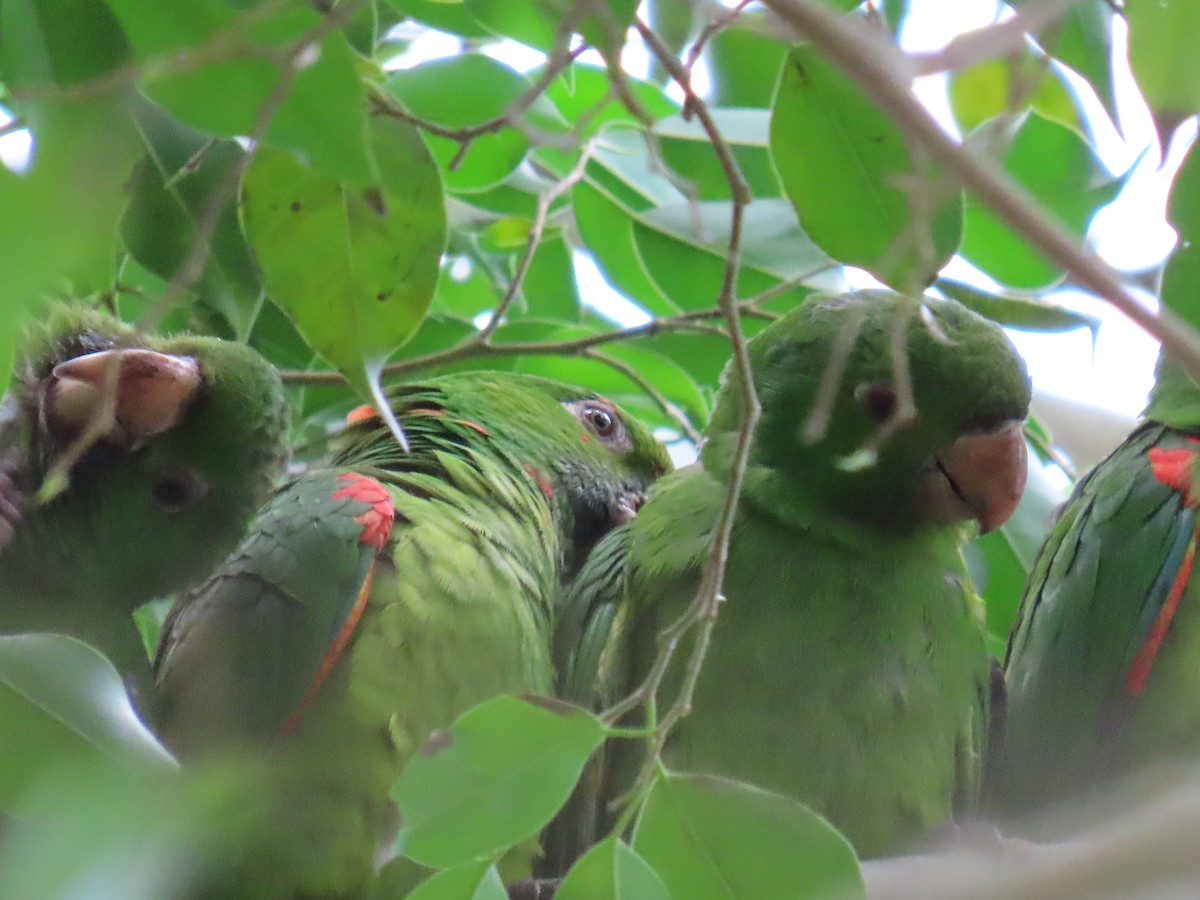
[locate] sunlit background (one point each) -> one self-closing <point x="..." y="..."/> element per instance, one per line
<point x="1111" y="370"/>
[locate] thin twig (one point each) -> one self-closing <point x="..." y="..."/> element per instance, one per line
<point x="702" y="612"/>
<point x="1003" y="38"/>
<point x="720" y="19"/>
<point x="512" y="117"/>
<point x="472" y="348"/>
<point x="545" y="201"/>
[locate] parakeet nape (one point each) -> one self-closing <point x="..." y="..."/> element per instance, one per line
<point x="131" y="464"/>
<point x="1104" y="659"/>
<point x="847" y="667"/>
<point x="374" y="601"/>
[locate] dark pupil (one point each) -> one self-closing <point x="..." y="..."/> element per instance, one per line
<point x="879" y="401"/>
<point x="602" y="421"/>
<point x="173" y="493"/>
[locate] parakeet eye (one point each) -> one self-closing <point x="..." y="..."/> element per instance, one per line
<point x="601" y="420"/>
<point x="878" y="399"/>
<point x="600" y="417"/>
<point x="177" y="492"/>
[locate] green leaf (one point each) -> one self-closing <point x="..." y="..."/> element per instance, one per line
<point x="606" y="227"/>
<point x="59" y="699"/>
<point x="171" y="189"/>
<point x="1162" y="54"/>
<point x="622" y="166"/>
<point x="119" y="834"/>
<point x="465" y="91"/>
<point x="684" y="248"/>
<point x="1082" y="40"/>
<point x="84" y="154"/>
<point x="709" y="837"/>
<point x="322" y="116"/>
<point x="355" y="270"/>
<point x="493" y="779"/>
<point x="611" y="870"/>
<point x="1017" y="310"/>
<point x="58" y="42"/>
<point x="452" y="17"/>
<point x="582" y="94"/>
<point x="549" y="288"/>
<point x="745" y="62"/>
<point x="536" y="22"/>
<point x="687" y="149"/>
<point x="990" y="89"/>
<point x="842" y="162"/>
<point x="1060" y="170"/>
<point x="476" y="881"/>
<point x="1180" y="289"/>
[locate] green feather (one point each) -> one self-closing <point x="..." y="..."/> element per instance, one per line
<point x="82" y="561"/>
<point x="463" y="594"/>
<point x="847" y="667"/>
<point x="1074" y="722"/>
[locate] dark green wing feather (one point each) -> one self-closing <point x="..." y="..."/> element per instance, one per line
<point x="266" y="623"/>
<point x="583" y="642"/>
<point x="1087" y="623"/>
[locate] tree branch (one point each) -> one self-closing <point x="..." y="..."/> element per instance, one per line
<point x="884" y="73"/>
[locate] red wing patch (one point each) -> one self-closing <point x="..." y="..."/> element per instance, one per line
<point x="376" y="521"/>
<point x="1174" y="468"/>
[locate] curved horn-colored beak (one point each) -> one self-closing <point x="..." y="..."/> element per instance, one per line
<point x="151" y="390"/>
<point x="627" y="506"/>
<point x="987" y="472"/>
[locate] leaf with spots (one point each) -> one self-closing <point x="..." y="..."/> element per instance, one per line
<point x="355" y="270"/>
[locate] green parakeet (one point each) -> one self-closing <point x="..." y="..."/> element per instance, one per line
<point x="375" y="601"/>
<point x="1103" y="658"/>
<point x="847" y="667"/>
<point x="181" y="439"/>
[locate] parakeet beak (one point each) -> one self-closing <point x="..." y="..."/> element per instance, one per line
<point x="980" y="476"/>
<point x="151" y="391"/>
<point x="627" y="506"/>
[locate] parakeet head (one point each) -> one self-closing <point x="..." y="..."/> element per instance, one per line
<point x="180" y="438"/>
<point x="590" y="456"/>
<point x="828" y="383"/>
<point x="591" y="459"/>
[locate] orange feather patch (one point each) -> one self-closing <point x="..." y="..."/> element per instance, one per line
<point x="376" y="525"/>
<point x="363" y="413"/>
<point x="1174" y="468"/>
<point x="376" y="521"/>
